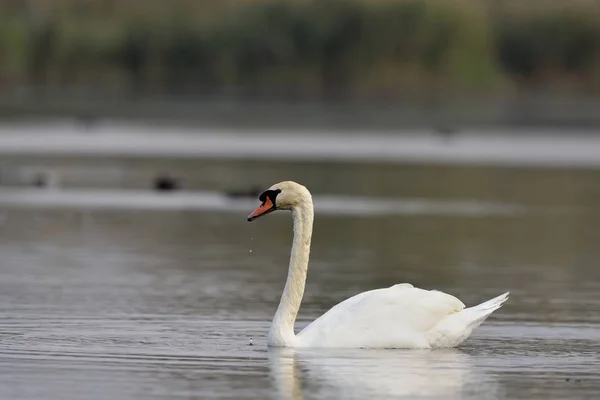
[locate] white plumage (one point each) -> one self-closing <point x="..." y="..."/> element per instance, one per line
<point x="400" y="316"/>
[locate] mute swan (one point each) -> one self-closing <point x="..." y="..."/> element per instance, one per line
<point x="400" y="316"/>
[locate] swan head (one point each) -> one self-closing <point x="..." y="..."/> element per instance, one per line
<point x="282" y="196"/>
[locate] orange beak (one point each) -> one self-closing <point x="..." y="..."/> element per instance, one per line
<point x="263" y="209"/>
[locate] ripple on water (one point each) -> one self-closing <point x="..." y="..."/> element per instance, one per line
<point x="149" y="305"/>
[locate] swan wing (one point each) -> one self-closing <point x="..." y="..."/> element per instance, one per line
<point x="394" y="317"/>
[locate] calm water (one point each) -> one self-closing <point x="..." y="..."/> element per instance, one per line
<point x="109" y="295"/>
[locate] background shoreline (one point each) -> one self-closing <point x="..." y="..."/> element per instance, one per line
<point x="442" y="115"/>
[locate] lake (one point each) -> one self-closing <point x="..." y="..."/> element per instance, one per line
<point x="111" y="290"/>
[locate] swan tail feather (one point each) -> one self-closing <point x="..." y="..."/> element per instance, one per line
<point x="457" y="327"/>
<point x="479" y="313"/>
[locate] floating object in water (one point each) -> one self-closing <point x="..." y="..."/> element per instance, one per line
<point x="251" y="344"/>
<point x="165" y="183"/>
<point x="46" y="179"/>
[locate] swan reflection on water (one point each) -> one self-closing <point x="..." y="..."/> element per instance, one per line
<point x="346" y="373"/>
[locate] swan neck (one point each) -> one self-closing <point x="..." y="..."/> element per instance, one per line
<point x="282" y="328"/>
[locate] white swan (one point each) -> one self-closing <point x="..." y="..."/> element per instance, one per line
<point x="400" y="316"/>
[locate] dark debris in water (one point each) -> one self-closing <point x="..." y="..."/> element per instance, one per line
<point x="165" y="183"/>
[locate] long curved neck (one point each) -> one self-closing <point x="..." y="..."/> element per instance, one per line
<point x="282" y="328"/>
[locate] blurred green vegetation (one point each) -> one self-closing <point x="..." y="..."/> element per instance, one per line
<point x="303" y="47"/>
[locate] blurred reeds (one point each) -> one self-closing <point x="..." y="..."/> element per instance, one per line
<point x="304" y="47"/>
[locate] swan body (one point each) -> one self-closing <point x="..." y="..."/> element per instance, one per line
<point x="400" y="316"/>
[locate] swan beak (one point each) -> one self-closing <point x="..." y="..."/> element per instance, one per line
<point x="263" y="209"/>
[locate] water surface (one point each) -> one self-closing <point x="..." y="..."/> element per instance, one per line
<point x="129" y="294"/>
